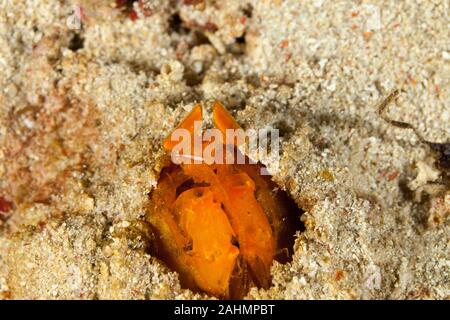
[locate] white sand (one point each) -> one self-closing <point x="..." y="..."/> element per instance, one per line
<point x="81" y="137"/>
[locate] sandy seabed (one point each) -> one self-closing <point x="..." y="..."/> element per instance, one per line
<point x="89" y="90"/>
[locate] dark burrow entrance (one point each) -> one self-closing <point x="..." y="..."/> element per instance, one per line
<point x="221" y="226"/>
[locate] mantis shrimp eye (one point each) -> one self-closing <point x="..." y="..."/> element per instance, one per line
<point x="220" y="225"/>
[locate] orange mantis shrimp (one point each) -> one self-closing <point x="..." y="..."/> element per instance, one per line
<point x="220" y="225"/>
